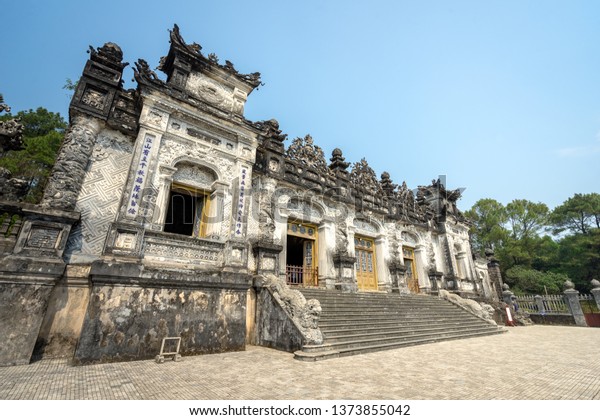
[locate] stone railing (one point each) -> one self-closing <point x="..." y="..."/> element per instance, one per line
<point x="285" y="320"/>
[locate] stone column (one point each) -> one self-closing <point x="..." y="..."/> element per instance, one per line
<point x="325" y="247"/>
<point x="398" y="274"/>
<point x="162" y="198"/>
<point x="596" y="291"/>
<point x="69" y="170"/>
<point x="507" y="295"/>
<point x="344" y="265"/>
<point x="424" y="285"/>
<point x="571" y="297"/>
<point x="539" y="302"/>
<point x="383" y="279"/>
<point x="494" y="272"/>
<point x="215" y="211"/>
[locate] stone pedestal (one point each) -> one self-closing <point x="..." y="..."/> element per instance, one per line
<point x="397" y="274"/>
<point x="267" y="257"/>
<point x="435" y="278"/>
<point x="507" y="295"/>
<point x="344" y="266"/>
<point x="596" y="291"/>
<point x="539" y="303"/>
<point x="572" y="300"/>
<point x="28" y="274"/>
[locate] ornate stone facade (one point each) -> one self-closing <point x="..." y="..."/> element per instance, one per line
<point x="193" y="219"/>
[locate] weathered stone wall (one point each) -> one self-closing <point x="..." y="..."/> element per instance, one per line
<point x="552" y="319"/>
<point x="128" y="322"/>
<point x="22" y="309"/>
<point x="61" y="327"/>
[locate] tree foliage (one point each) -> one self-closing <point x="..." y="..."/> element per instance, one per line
<point x="528" y="280"/>
<point x="42" y="138"/>
<point x="528" y="257"/>
<point x="488" y="231"/>
<point x="578" y="214"/>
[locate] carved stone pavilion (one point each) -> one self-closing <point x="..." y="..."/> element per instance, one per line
<point x="170" y="214"/>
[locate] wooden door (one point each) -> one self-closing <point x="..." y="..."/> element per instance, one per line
<point x="366" y="270"/>
<point x="412" y="279"/>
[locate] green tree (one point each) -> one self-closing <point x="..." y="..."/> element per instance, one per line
<point x="528" y="280"/>
<point x="526" y="218"/>
<point x="579" y="257"/>
<point x="578" y="214"/>
<point x="42" y="137"/>
<point x="487" y="231"/>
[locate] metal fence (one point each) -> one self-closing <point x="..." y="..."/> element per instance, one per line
<point x="301" y="276"/>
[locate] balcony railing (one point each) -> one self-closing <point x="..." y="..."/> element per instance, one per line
<point x="301" y="276"/>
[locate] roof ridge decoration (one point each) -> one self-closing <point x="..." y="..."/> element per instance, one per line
<point x="304" y="151"/>
<point x="193" y="50"/>
<point x="363" y="176"/>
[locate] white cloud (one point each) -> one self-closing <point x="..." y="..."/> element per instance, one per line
<point x="580" y="151"/>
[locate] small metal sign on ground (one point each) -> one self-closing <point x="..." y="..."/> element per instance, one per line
<point x="160" y="358"/>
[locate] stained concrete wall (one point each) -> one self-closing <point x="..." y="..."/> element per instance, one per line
<point x="128" y="322"/>
<point x="274" y="328"/>
<point x="22" y="309"/>
<point x="61" y="327"/>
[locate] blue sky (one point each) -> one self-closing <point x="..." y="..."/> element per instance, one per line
<point x="502" y="97"/>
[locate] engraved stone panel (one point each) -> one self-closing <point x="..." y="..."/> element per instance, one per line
<point x="94" y="98"/>
<point x="182" y="252"/>
<point x="125" y="240"/>
<point x="43" y="237"/>
<point x="302" y="209"/>
<point x="194" y="175"/>
<point x="365" y="226"/>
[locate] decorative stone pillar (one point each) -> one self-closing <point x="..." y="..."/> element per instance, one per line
<point x="69" y="170"/>
<point x="398" y="277"/>
<point x="539" y="303"/>
<point x="435" y="278"/>
<point x="424" y="286"/>
<point x="494" y="272"/>
<point x="344" y="265"/>
<point x="215" y="211"/>
<point x="571" y="297"/>
<point x="596" y="291"/>
<point x="325" y="263"/>
<point x="507" y="295"/>
<point x="164" y="189"/>
<point x="267" y="257"/>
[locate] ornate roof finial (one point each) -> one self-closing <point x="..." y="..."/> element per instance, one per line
<point x="305" y="152"/>
<point x="387" y="185"/>
<point x="110" y="54"/>
<point x="338" y="162"/>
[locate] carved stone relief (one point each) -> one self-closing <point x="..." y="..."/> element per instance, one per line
<point x="194" y="175"/>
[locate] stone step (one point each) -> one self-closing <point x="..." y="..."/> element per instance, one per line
<point x="328" y="320"/>
<point x="328" y="354"/>
<point x="364" y="322"/>
<point x="360" y="341"/>
<point x="399" y="334"/>
<point x="340" y="331"/>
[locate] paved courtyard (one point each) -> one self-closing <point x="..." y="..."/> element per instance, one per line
<point x="540" y="362"/>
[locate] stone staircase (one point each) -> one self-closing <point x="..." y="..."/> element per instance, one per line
<point x="355" y="323"/>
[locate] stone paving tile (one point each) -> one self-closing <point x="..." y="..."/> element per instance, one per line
<point x="540" y="362"/>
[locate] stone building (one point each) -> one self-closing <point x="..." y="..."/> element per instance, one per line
<point x="170" y="214"/>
